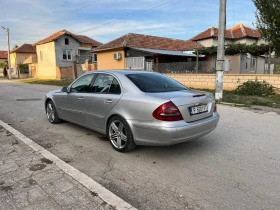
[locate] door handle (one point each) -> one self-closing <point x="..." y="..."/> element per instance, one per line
<point x="108" y="101"/>
<point x="81" y="99"/>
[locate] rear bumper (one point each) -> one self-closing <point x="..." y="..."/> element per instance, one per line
<point x="168" y="133"/>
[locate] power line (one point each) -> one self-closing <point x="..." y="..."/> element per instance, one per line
<point x="93" y="1"/>
<point x="74" y="10"/>
<point x="86" y="5"/>
<point x="138" y="13"/>
<point x="118" y="19"/>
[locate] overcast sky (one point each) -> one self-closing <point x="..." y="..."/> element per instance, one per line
<point x="104" y="20"/>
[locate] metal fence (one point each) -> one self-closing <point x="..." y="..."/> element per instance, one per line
<point x="274" y="66"/>
<point x="204" y="67"/>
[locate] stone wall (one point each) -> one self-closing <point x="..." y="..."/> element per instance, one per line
<point x="231" y="81"/>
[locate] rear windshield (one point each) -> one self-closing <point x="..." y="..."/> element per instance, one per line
<point x="155" y="83"/>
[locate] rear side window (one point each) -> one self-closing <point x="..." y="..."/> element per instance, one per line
<point x="106" y="83"/>
<point x="115" y="87"/>
<point x="155" y="83"/>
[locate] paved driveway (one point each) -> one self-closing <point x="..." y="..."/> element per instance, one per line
<point x="235" y="167"/>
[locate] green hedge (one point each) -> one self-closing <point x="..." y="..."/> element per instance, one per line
<point x="255" y="88"/>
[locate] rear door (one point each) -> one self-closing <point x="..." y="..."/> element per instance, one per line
<point x="74" y="106"/>
<point x="104" y="95"/>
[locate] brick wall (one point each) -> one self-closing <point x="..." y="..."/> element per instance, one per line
<point x="92" y="67"/>
<point x="231" y="81"/>
<point x="64" y="72"/>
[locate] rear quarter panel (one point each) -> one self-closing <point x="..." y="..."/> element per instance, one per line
<point x="136" y="106"/>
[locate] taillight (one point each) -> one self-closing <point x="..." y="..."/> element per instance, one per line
<point x="167" y="112"/>
<point x="215" y="108"/>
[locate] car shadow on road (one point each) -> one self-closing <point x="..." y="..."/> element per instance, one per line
<point x="203" y="145"/>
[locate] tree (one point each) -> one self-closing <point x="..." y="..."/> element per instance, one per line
<point x="3" y="65"/>
<point x="268" y="21"/>
<point x="235" y="49"/>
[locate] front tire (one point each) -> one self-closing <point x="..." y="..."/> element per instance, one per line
<point x="52" y="113"/>
<point x="120" y="135"/>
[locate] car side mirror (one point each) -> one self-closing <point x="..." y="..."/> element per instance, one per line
<point x="65" y="90"/>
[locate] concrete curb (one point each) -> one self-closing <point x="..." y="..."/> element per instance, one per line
<point x="232" y="104"/>
<point x="82" y="178"/>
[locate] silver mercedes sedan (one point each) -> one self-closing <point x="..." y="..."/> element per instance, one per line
<point x="134" y="108"/>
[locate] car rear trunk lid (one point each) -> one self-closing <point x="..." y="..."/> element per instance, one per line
<point x="187" y="99"/>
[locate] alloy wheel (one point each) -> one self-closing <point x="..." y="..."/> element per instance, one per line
<point x="117" y="134"/>
<point x="50" y="112"/>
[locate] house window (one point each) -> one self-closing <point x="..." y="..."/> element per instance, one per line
<point x="253" y="63"/>
<point x="67" y="55"/>
<point x="41" y="55"/>
<point x="94" y="58"/>
<point x="135" y="62"/>
<point x="66" y="41"/>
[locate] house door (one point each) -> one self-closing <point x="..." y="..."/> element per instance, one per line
<point x="149" y="65"/>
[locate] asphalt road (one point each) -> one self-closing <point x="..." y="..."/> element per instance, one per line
<point x="235" y="167"/>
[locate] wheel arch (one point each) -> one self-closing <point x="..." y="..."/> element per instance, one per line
<point x="46" y="102"/>
<point x="110" y="117"/>
<point x="108" y="120"/>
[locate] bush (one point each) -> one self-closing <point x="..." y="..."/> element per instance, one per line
<point x="256" y="88"/>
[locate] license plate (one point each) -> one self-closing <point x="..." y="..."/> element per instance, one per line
<point x="198" y="109"/>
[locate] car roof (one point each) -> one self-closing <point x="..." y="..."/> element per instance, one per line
<point x="124" y="72"/>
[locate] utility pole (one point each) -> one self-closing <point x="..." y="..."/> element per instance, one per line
<point x="9" y="62"/>
<point x="196" y="63"/>
<point x="269" y="61"/>
<point x="221" y="52"/>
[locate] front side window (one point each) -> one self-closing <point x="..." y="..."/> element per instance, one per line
<point x="41" y="55"/>
<point x="155" y="83"/>
<point x="66" y="41"/>
<point x="82" y="85"/>
<point x="67" y="55"/>
<point x="106" y="84"/>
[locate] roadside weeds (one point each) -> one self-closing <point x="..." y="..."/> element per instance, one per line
<point x="232" y="99"/>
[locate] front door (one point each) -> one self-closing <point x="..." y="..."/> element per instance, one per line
<point x="74" y="106"/>
<point x="103" y="96"/>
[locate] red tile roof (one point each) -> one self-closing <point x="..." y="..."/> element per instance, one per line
<point x="80" y="38"/>
<point x="3" y="54"/>
<point x="150" y="42"/>
<point x="237" y="32"/>
<point x="25" y="48"/>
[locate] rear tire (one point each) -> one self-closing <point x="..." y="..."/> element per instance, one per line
<point x="52" y="113"/>
<point x="120" y="135"/>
